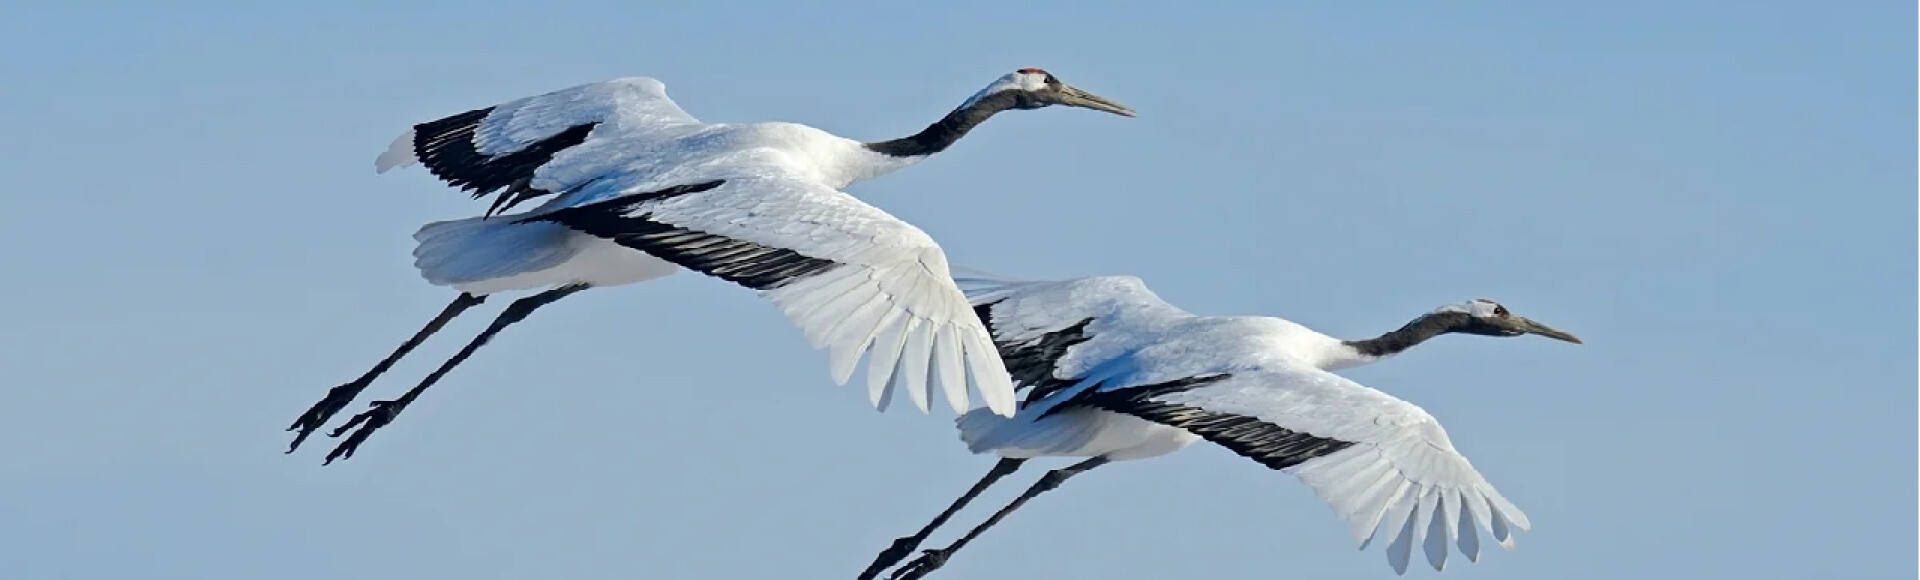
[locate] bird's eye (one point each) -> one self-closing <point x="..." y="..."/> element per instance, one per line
<point x="1051" y="80"/>
<point x="1499" y="310"/>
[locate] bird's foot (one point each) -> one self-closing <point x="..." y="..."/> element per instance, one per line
<point x="369" y="421"/>
<point x="892" y="555"/>
<point x="318" y="415"/>
<point x="928" y="561"/>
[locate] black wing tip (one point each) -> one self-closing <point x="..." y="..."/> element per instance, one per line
<point x="1031" y="363"/>
<point x="571" y="216"/>
<point x="455" y="131"/>
<point x="1269" y="444"/>
<point x="445" y="147"/>
<point x="984" y="312"/>
<point x="695" y="187"/>
<point x="1122" y="399"/>
<point x="741" y="262"/>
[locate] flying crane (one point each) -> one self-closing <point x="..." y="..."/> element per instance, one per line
<point x="1116" y="374"/>
<point x="636" y="189"/>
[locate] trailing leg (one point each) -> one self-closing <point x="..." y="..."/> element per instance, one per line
<point x="904" y="546"/>
<point x="935" y="558"/>
<point x="338" y="397"/>
<point x="383" y="412"/>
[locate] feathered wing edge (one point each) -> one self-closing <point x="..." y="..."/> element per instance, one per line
<point x="1401" y="474"/>
<point x="854" y="279"/>
<point x="1380" y="487"/>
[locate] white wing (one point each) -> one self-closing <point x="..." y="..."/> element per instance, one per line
<point x="1382" y="463"/>
<point x="1051" y="333"/>
<point x="854" y="278"/>
<point x="512" y="148"/>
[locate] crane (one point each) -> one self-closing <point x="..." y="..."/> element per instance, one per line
<point x="1114" y="373"/>
<point x="757" y="204"/>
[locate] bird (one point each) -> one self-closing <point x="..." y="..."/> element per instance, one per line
<point x="756" y="204"/>
<point x="1114" y="373"/>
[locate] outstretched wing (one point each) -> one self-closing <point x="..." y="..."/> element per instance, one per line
<point x="1382" y="463"/>
<point x="1051" y="333"/>
<point x="854" y="278"/>
<point x="511" y="148"/>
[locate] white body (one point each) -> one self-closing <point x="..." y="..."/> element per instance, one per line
<point x="890" y="289"/>
<point x="1401" y="474"/>
<point x="645" y="141"/>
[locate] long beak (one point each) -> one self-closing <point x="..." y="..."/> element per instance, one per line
<point x="1531" y="327"/>
<point x="1072" y="96"/>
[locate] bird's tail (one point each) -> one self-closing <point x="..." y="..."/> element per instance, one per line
<point x="465" y="251"/>
<point x="983" y="430"/>
<point x="1028" y="433"/>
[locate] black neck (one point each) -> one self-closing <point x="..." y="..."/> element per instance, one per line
<point x="943" y="133"/>
<point x="1413" y="333"/>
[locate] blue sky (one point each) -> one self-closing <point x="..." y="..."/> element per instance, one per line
<point x="1718" y="197"/>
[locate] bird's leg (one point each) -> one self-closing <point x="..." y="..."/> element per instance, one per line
<point x="935" y="558"/>
<point x="338" y="397"/>
<point x="904" y="546"/>
<point x="383" y="412"/>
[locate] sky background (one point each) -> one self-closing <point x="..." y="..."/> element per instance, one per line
<point x="1719" y="198"/>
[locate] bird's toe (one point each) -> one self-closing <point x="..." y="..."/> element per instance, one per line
<point x="368" y="421"/>
<point x="317" y="415"/>
<point x="892" y="555"/>
<point x="928" y="561"/>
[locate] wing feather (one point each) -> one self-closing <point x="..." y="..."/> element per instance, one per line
<point x="854" y="335"/>
<point x="978" y="350"/>
<point x="884" y="364"/>
<point x="914" y="370"/>
<point x="1397" y="473"/>
<point x="950" y="367"/>
<point x="1053" y="333"/>
<point x="1429" y="514"/>
<point x="540" y="145"/>
<point x="842" y="271"/>
<point x="1400" y="523"/>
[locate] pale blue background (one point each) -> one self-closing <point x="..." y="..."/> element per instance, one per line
<point x="1719" y="197"/>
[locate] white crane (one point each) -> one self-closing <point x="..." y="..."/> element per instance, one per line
<point x="639" y="187"/>
<point x="1116" y="374"/>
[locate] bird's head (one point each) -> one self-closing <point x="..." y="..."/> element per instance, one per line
<point x="1032" y="88"/>
<point x="1488" y="318"/>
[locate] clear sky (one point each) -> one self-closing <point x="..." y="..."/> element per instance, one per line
<point x="1719" y="197"/>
